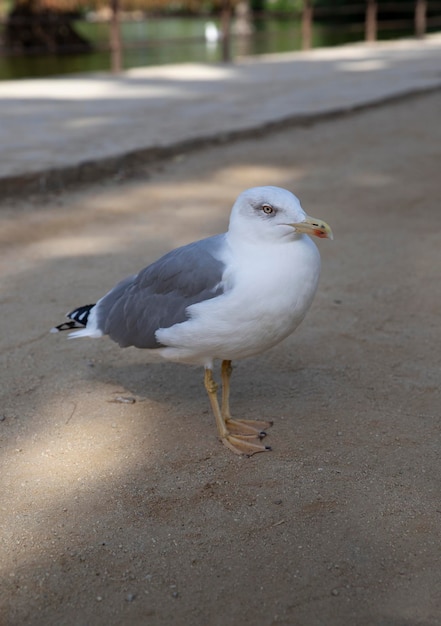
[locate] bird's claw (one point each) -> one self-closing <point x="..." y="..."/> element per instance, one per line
<point x="246" y="445"/>
<point x="248" y="427"/>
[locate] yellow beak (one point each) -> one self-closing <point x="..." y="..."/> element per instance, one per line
<point x="314" y="226"/>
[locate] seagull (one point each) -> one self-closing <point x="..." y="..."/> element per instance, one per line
<point x="226" y="297"/>
<point x="212" y="34"/>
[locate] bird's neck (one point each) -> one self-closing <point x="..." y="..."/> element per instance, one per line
<point x="241" y="240"/>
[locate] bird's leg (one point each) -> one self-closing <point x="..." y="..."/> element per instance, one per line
<point x="239" y="443"/>
<point x="240" y="427"/>
<point x="226" y="371"/>
<point x="211" y="386"/>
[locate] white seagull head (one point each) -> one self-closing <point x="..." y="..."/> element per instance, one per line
<point x="273" y="213"/>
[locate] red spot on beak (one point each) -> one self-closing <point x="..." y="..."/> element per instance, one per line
<point x="320" y="233"/>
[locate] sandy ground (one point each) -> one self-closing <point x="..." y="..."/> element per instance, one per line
<point x="120" y="513"/>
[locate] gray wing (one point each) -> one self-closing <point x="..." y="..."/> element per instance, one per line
<point x="158" y="296"/>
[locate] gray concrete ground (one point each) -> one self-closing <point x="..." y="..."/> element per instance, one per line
<point x="77" y="128"/>
<point x="132" y="513"/>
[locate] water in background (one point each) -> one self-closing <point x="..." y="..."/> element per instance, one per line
<point x="158" y="41"/>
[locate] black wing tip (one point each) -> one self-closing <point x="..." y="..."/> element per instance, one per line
<point x="81" y="314"/>
<point x="78" y="319"/>
<point x="66" y="326"/>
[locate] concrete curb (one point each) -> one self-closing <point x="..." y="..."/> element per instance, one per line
<point x="135" y="163"/>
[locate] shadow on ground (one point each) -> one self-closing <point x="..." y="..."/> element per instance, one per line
<point x="133" y="513"/>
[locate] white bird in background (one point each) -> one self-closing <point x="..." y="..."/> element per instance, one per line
<point x="212" y="33"/>
<point x="226" y="297"/>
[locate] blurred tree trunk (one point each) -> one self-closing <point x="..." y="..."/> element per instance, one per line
<point x="307" y="17"/>
<point x="115" y="37"/>
<point x="31" y="28"/>
<point x="371" y="20"/>
<point x="420" y="18"/>
<point x="226" y="15"/>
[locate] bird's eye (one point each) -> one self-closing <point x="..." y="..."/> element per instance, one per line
<point x="267" y="208"/>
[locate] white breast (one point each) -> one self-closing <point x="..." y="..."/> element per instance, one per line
<point x="268" y="291"/>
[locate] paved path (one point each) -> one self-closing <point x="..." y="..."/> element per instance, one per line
<point x="68" y="129"/>
<point x="133" y="514"/>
